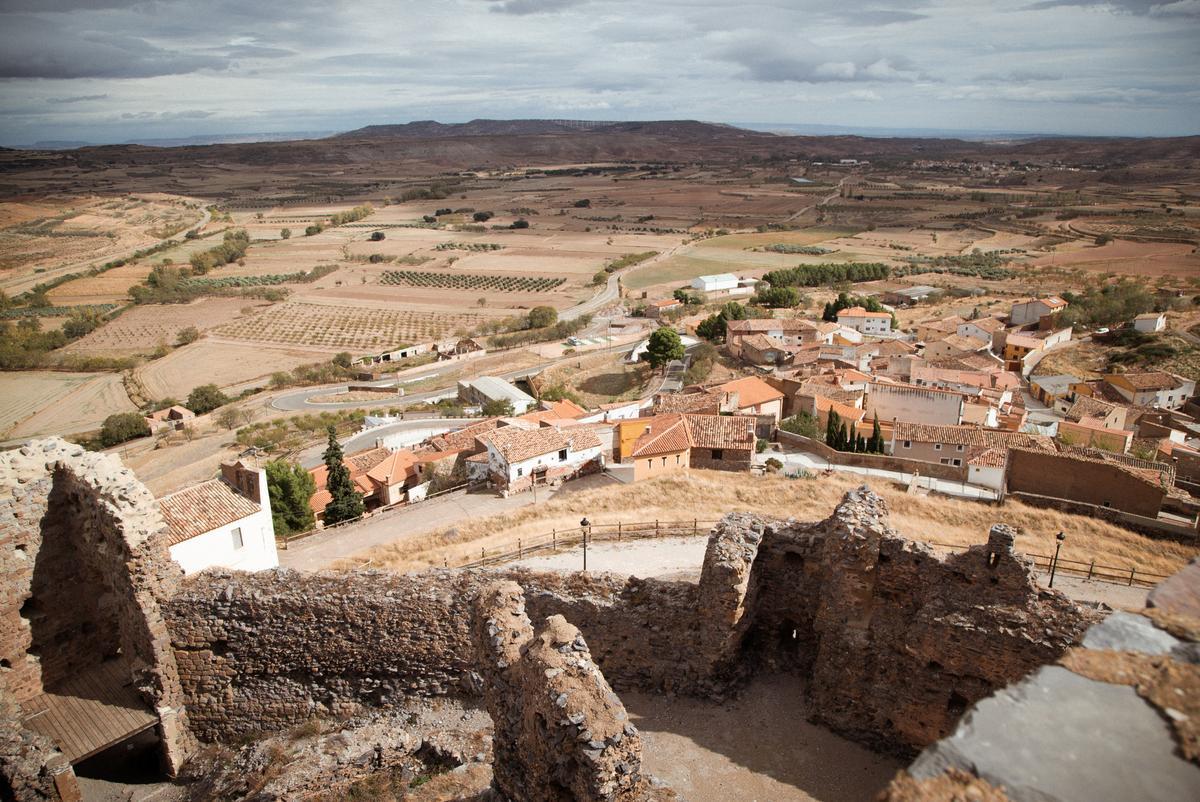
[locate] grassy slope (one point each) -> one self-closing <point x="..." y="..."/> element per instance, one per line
<point x="707" y="495"/>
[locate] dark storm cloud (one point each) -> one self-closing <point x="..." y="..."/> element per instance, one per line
<point x="523" y="7"/>
<point x="31" y="47"/>
<point x="75" y="99"/>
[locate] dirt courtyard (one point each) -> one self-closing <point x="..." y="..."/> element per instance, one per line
<point x="757" y="748"/>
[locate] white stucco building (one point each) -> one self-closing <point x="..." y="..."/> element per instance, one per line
<point x="223" y="522"/>
<point x="516" y="459"/>
<point x="1150" y="322"/>
<point x="720" y="282"/>
<point x="864" y="321"/>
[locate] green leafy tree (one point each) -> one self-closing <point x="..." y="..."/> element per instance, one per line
<point x="187" y="336"/>
<point x="205" y="398"/>
<point x="778" y="297"/>
<point x="123" y="426"/>
<point x="285" y="233"/>
<point x="712" y="328"/>
<point x="499" y="408"/>
<point x="290" y="488"/>
<point x="346" y="503"/>
<point x="542" y="316"/>
<point x="802" y="423"/>
<point x="665" y="346"/>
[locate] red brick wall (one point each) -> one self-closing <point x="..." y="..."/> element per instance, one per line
<point x="1059" y="476"/>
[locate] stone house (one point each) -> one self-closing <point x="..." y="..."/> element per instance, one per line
<point x="1085" y="479"/>
<point x="752" y="396"/>
<point x="722" y="442"/>
<point x="954" y="346"/>
<point x="224" y="522"/>
<point x="656" y="309"/>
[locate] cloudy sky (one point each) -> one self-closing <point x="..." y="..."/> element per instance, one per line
<point x="114" y="70"/>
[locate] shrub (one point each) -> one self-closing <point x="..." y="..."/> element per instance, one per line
<point x="542" y="316"/>
<point x="482" y="217"/>
<point x="205" y="398"/>
<point x="377" y="236"/>
<point x="187" y="336"/>
<point x="122" y="427"/>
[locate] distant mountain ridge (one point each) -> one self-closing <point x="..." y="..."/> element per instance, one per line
<point x="431" y="129"/>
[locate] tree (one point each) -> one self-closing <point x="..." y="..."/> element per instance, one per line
<point x="542" y="316"/>
<point x="665" y="346"/>
<point x="803" y="424"/>
<point x="290" y="487"/>
<point x="228" y="417"/>
<point x="712" y="327"/>
<point x="285" y="233"/>
<point x="123" y="426"/>
<point x="583" y="203"/>
<point x="852" y="438"/>
<point x="346" y="503"/>
<point x="377" y="236"/>
<point x="875" y="444"/>
<point x="343" y="359"/>
<point x="481" y="217"/>
<point x="187" y="336"/>
<point x="778" y="297"/>
<point x="498" y="408"/>
<point x="205" y="398"/>
<point x="520" y="224"/>
<point x="834" y="437"/>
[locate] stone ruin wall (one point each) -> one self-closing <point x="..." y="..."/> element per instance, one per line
<point x="84" y="569"/>
<point x="893" y="641"/>
<point x="559" y="730"/>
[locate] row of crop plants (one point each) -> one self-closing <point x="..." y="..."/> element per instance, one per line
<point x="470" y="281"/>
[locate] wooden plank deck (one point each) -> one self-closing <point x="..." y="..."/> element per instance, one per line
<point x="91" y="712"/>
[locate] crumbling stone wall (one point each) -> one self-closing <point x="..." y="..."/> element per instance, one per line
<point x="560" y="733"/>
<point x="891" y="640"/>
<point x="894" y="640"/>
<point x="84" y="568"/>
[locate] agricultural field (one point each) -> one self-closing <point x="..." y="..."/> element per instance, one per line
<point x="43" y="402"/>
<point x="229" y="365"/>
<point x="41" y="238"/>
<point x="359" y="329"/>
<point x="1173" y="260"/>
<point x="143" y="328"/>
<point x="469" y="281"/>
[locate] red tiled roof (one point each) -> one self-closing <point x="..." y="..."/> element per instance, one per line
<point x="1149" y="380"/>
<point x="858" y="311"/>
<point x="394" y="469"/>
<point x="751" y="391"/>
<point x="665" y="434"/>
<point x="969" y="436"/>
<point x="515" y="445"/>
<point x="463" y="439"/>
<point x="721" y="431"/>
<point x="765" y="324"/>
<point x="202" y="508"/>
<point x="687" y="402"/>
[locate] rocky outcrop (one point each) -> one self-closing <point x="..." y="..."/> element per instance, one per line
<point x="560" y="733"/>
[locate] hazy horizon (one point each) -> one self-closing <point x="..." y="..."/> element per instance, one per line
<point x="109" y="71"/>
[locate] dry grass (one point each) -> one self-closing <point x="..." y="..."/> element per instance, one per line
<point x="707" y="495"/>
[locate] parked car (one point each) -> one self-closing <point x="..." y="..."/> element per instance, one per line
<point x="1102" y="330"/>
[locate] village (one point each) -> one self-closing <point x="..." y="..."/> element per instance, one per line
<point x="953" y="406"/>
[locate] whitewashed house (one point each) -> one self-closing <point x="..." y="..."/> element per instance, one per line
<point x="516" y="459"/>
<point x="720" y="282"/>
<point x="1150" y="322"/>
<point x="864" y="321"/>
<point x="224" y="522"/>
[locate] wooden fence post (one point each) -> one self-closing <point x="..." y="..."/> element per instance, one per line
<point x="1091" y="568"/>
<point x="618" y="530"/>
<point x="554" y="539"/>
<point x="518" y="548"/>
<point x="1131" y="573"/>
<point x="695" y="526"/>
<point x="656" y="527"/>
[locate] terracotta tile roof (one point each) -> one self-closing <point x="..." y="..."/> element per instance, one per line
<point x="760" y="342"/>
<point x="969" y="436"/>
<point x="963" y="342"/>
<point x="765" y="324"/>
<point x="202" y="508"/>
<point x="987" y="457"/>
<point x="516" y="445"/>
<point x="990" y="324"/>
<point x="945" y="324"/>
<point x="1150" y="380"/>
<point x="463" y="439"/>
<point x="858" y="311"/>
<point x="394" y="469"/>
<point x="480" y="457"/>
<point x="844" y="411"/>
<point x="721" y="431"/>
<point x="751" y="391"/>
<point x="1087" y="407"/>
<point x="665" y="434"/>
<point x="688" y="402"/>
<point x="365" y="460"/>
<point x="669" y="303"/>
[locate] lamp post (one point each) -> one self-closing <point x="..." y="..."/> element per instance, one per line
<point x="1060" y="537"/>
<point x="585" y="525"/>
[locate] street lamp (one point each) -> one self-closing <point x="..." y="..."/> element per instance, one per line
<point x="585" y="525"/>
<point x="1060" y="537"/>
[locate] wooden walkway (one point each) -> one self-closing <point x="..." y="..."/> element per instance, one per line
<point x="91" y="712"/>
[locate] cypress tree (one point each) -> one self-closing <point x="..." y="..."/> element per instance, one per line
<point x="852" y="438"/>
<point x="876" y="446"/>
<point x="346" y="503"/>
<point x="832" y="426"/>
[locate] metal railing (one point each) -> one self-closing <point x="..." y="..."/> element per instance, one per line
<point x="560" y="539"/>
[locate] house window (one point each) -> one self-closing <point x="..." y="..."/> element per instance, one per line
<point x="718" y="453"/>
<point x="944" y="461"/>
<point x="649" y="464"/>
<point x="676" y="459"/>
<point x="937" y="446"/>
<point x="664" y="462"/>
<point x="237" y="537"/>
<point x="957" y="463"/>
<point x="908" y="443"/>
<point x="562" y="455"/>
<point x="960" y="448"/>
<point x="520" y="471"/>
